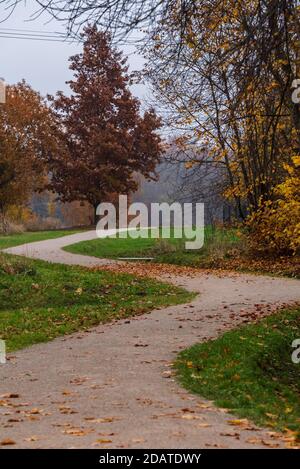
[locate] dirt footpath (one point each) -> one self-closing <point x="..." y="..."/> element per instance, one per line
<point x="113" y="387"/>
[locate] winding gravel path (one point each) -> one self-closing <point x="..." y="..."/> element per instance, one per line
<point x="112" y="386"/>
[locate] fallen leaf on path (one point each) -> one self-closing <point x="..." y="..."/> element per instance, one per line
<point x="77" y="431"/>
<point x="102" y="441"/>
<point x="34" y="411"/>
<point x="7" y="441"/>
<point x="190" y="417"/>
<point x="67" y="410"/>
<point x="233" y="434"/>
<point x="101" y="420"/>
<point x="215" y="445"/>
<point x="31" y="438"/>
<point x="4" y="403"/>
<point x="32" y="417"/>
<point x="253" y="441"/>
<point x="271" y="444"/>
<point x="204" y="406"/>
<point x="238" y="422"/>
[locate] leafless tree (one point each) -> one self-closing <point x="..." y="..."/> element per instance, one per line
<point x="119" y="16"/>
<point x="229" y="90"/>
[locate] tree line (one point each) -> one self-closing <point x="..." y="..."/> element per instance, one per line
<point x="85" y="146"/>
<point x="224" y="74"/>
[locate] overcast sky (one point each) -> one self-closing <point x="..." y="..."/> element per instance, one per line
<point x="44" y="65"/>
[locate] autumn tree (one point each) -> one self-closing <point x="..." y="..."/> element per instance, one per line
<point x="26" y="139"/>
<point x="227" y="89"/>
<point x="106" y="139"/>
<point x="275" y="227"/>
<point x="225" y="71"/>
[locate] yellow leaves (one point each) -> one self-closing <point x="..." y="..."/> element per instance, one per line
<point x="275" y="226"/>
<point x="225" y="46"/>
<point x="273" y="85"/>
<point x="296" y="161"/>
<point x="271" y="416"/>
<point x="291" y="438"/>
<point x="103" y="441"/>
<point x="261" y="441"/>
<point x="235" y="12"/>
<point x="234" y="191"/>
<point x="239" y="422"/>
<point x="190" y="44"/>
<point x="189" y="165"/>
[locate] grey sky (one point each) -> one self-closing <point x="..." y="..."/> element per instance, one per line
<point x="44" y="65"/>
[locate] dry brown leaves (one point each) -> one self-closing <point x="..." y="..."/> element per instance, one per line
<point x="286" y="266"/>
<point x="153" y="270"/>
<point x="142" y="269"/>
<point x="7" y="442"/>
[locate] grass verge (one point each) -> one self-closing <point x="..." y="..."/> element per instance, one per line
<point x="250" y="371"/>
<point x="8" y="241"/>
<point x="40" y="301"/>
<point x="224" y="249"/>
<point x="169" y="251"/>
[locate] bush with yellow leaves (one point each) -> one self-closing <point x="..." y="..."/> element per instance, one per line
<point x="275" y="228"/>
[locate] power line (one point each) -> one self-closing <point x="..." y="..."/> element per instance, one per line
<point x="32" y="35"/>
<point x="37" y="39"/>
<point x="43" y="36"/>
<point x="31" y="31"/>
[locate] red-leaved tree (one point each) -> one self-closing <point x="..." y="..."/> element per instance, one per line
<point x="105" y="140"/>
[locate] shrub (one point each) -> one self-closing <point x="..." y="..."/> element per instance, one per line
<point x="275" y="227"/>
<point x="40" y="224"/>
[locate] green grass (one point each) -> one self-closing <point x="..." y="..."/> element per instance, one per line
<point x="170" y="251"/>
<point x="250" y="371"/>
<point x="40" y="301"/>
<point x="8" y="241"/>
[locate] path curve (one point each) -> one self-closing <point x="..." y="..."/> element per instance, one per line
<point x="112" y="386"/>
